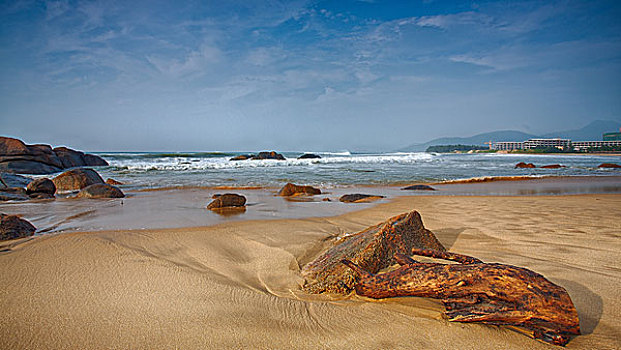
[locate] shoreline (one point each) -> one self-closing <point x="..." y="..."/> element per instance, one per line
<point x="235" y="284"/>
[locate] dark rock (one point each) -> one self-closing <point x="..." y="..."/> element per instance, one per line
<point x="41" y="195"/>
<point x="41" y="185"/>
<point x="13" y="194"/>
<point x="327" y="199"/>
<point x="525" y="165"/>
<point x="227" y="200"/>
<point x="309" y="156"/>
<point x="268" y="155"/>
<point x="13" y="180"/>
<point x="113" y="182"/>
<point x="552" y="166"/>
<point x="100" y="190"/>
<point x="76" y="179"/>
<point x="359" y="198"/>
<point x="295" y="190"/>
<point x="609" y="165"/>
<point x="419" y="188"/>
<point x="17" y="157"/>
<point x="13" y="227"/>
<point x="242" y="157"/>
<point x="372" y="249"/>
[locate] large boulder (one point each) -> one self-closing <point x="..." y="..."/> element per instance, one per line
<point x="372" y="249"/>
<point x="296" y="190"/>
<point x="76" y="179"/>
<point x="100" y="190"/>
<point x="17" y="157"/>
<point x="359" y="198"/>
<point x="227" y="200"/>
<point x="13" y="227"/>
<point x="268" y="155"/>
<point x="41" y="186"/>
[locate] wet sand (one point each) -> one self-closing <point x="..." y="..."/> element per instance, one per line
<point x="235" y="285"/>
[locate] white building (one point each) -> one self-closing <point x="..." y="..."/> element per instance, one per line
<point x="508" y="146"/>
<point x="547" y="143"/>
<point x="584" y="145"/>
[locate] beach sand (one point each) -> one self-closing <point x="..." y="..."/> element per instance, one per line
<point x="236" y="285"/>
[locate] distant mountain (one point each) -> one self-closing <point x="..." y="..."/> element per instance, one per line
<point x="592" y="131"/>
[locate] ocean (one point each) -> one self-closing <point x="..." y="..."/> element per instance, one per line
<point x="152" y="170"/>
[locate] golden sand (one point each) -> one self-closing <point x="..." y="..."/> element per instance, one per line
<point x="235" y="285"/>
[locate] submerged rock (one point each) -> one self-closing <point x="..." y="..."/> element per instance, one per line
<point x="100" y="190"/>
<point x="552" y="166"/>
<point x="268" y="155"/>
<point x="609" y="165"/>
<point x="227" y="200"/>
<point x="419" y="188"/>
<point x="359" y="198"/>
<point x="297" y="190"/>
<point x="41" y="186"/>
<point x="309" y="156"/>
<point x="242" y="157"/>
<point x="525" y="165"/>
<point x="13" y="227"/>
<point x="373" y="249"/>
<point x="17" y="157"/>
<point x="76" y="179"/>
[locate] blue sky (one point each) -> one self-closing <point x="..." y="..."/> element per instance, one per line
<point x="302" y="75"/>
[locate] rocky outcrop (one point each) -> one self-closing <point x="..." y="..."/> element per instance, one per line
<point x="609" y="165"/>
<point x="100" y="190"/>
<point x="419" y="188"/>
<point x="76" y="179"/>
<point x="41" y="186"/>
<point x="295" y="190"/>
<point x="552" y="166"/>
<point x="227" y="200"/>
<point x="525" y="165"/>
<point x="13" y="180"/>
<point x="17" y="157"/>
<point x="242" y="157"/>
<point x="13" y="194"/>
<point x="359" y="198"/>
<point x="309" y="156"/>
<point x="373" y="249"/>
<point x="14" y="227"/>
<point x="268" y="155"/>
<point x="113" y="182"/>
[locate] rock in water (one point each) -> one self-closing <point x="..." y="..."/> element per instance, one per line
<point x="76" y="179"/>
<point x="552" y="166"/>
<point x="41" y="186"/>
<point x="419" y="188"/>
<point x="609" y="165"/>
<point x="242" y="157"/>
<point x="373" y="249"/>
<point x="309" y="156"/>
<point x="227" y="200"/>
<point x="297" y="190"/>
<point x="13" y="227"/>
<point x="100" y="191"/>
<point x="359" y="198"/>
<point x="113" y="182"/>
<point x="268" y="155"/>
<point x="525" y="165"/>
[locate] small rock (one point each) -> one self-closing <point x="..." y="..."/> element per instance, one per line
<point x="609" y="165"/>
<point x="359" y="198"/>
<point x="13" y="227"/>
<point x="100" y="191"/>
<point x="419" y="188"/>
<point x="552" y="166"/>
<point x="242" y="157"/>
<point x="296" y="190"/>
<point x="76" y="179"/>
<point x="309" y="156"/>
<point x="327" y="199"/>
<point x="525" y="165"/>
<point x="268" y="155"/>
<point x="41" y="185"/>
<point x="113" y="182"/>
<point x="227" y="200"/>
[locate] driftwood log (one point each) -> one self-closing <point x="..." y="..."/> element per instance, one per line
<point x="474" y="291"/>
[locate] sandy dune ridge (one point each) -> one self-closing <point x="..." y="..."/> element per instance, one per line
<point x="235" y="285"/>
